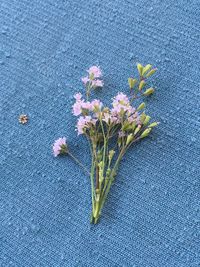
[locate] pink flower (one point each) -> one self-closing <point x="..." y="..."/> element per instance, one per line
<point x="77" y="108"/>
<point x="95" y="71"/>
<point x="78" y="104"/>
<point x="121" y="98"/>
<point x="80" y="125"/>
<point x="60" y="147"/>
<point x="78" y="96"/>
<point x="97" y="83"/>
<point x="96" y="105"/>
<point x="110" y="118"/>
<point x="85" y="80"/>
<point x="86" y="105"/>
<point x="121" y="103"/>
<point x="84" y="123"/>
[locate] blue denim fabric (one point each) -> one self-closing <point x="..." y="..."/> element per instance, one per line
<point x="151" y="218"/>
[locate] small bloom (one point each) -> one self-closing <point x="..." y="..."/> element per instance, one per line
<point x="97" y="83"/>
<point x="86" y="105"/>
<point x="95" y="71"/>
<point x="106" y="117"/>
<point x="78" y="96"/>
<point x="23" y="119"/>
<point x="121" y="103"/>
<point x="84" y="123"/>
<point x="85" y="80"/>
<point x="77" y="108"/>
<point x="96" y="105"/>
<point x="60" y="147"/>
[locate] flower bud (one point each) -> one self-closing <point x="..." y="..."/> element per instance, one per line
<point x="119" y="141"/>
<point x="146" y="68"/>
<point x="153" y="124"/>
<point x="129" y="139"/>
<point x="145" y="133"/>
<point x="142" y="117"/>
<point x="106" y="110"/>
<point x="146" y="121"/>
<point x="132" y="126"/>
<point x="99" y="155"/>
<point x="92" y="76"/>
<point x="141" y="106"/>
<point x="100" y="165"/>
<point x="108" y="172"/>
<point x="132" y="82"/>
<point x="137" y="129"/>
<point x="149" y="91"/>
<point x="140" y="68"/>
<point x="141" y="85"/>
<point x="125" y="126"/>
<point x="151" y="72"/>
<point x="111" y="154"/>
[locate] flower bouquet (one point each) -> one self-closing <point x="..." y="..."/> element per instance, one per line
<point x="111" y="131"/>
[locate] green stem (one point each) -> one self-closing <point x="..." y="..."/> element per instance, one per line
<point x="79" y="163"/>
<point x="92" y="183"/>
<point x="104" y="144"/>
<point x="104" y="197"/>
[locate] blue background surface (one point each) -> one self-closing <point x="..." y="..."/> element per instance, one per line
<point x="152" y="215"/>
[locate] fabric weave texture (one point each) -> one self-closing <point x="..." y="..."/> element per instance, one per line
<point x="151" y="218"/>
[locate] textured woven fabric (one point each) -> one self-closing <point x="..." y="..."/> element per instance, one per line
<point x="152" y="214"/>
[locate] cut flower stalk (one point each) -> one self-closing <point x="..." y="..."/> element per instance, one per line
<point x="110" y="131"/>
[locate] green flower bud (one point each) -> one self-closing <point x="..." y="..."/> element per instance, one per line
<point x="97" y="191"/>
<point x="106" y="110"/>
<point x="146" y="121"/>
<point x="129" y="139"/>
<point x="146" y="68"/>
<point x="141" y="85"/>
<point x="92" y="76"/>
<point x="142" y="117"/>
<point x="141" y="106"/>
<point x="119" y="142"/>
<point x="153" y="124"/>
<point x="145" y="133"/>
<point x="137" y="129"/>
<point x="151" y="72"/>
<point x="132" y="82"/>
<point x="140" y="68"/>
<point x="108" y="172"/>
<point x="99" y="155"/>
<point x="149" y="91"/>
<point x="100" y="165"/>
<point x="111" y="154"/>
<point x="133" y="125"/>
<point x="125" y="126"/>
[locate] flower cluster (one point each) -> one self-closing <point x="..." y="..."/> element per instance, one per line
<point x="60" y="146"/>
<point x="110" y="130"/>
<point x="93" y="77"/>
<point x="92" y="112"/>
